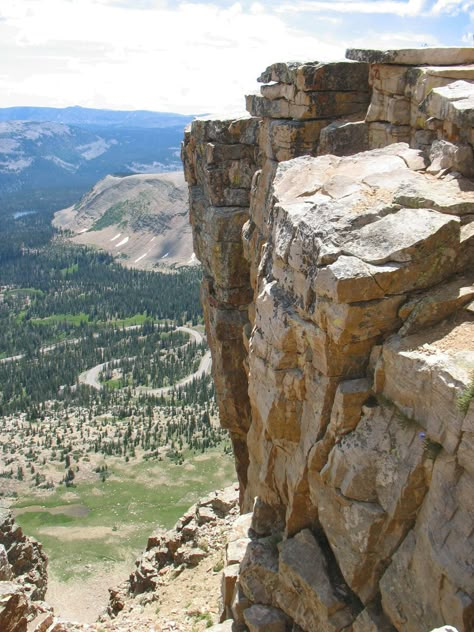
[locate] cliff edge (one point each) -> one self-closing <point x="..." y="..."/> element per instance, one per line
<point x="335" y="225"/>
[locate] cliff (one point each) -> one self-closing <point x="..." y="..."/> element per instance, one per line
<point x="335" y="226"/>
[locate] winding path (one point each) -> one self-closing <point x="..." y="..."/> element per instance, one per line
<point x="91" y="376"/>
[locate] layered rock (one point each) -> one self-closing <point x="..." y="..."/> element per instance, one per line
<point x="357" y="343"/>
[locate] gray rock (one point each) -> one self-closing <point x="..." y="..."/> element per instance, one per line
<point x="430" y="55"/>
<point x="266" y="619"/>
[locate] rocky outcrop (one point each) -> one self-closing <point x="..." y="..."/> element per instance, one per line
<point x="24" y="556"/>
<point x="23" y="580"/>
<point x="352" y="339"/>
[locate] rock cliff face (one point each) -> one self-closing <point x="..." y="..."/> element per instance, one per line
<point x="23" y="578"/>
<point x="339" y="306"/>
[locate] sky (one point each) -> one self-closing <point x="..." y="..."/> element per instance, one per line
<point x="195" y="57"/>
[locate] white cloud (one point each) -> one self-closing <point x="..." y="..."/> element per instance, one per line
<point x="410" y="8"/>
<point x="189" y="58"/>
<point x="452" y="7"/>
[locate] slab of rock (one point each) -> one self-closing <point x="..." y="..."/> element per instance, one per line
<point x="344" y="138"/>
<point x="266" y="619"/>
<point x="429" y="55"/>
<point x="306" y="592"/>
<point x="259" y="571"/>
<point x="452" y="195"/>
<point x="440" y="547"/>
<point x="435" y="305"/>
<point x="375" y="481"/>
<point x="310" y="76"/>
<point x="309" y="105"/>
<point x="441" y="377"/>
<point x="454" y="103"/>
<point x="448" y="156"/>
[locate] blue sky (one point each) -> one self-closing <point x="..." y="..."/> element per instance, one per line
<point x="195" y="56"/>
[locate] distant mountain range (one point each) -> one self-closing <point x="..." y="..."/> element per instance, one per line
<point x="49" y="157"/>
<point x="141" y="219"/>
<point x="84" y="117"/>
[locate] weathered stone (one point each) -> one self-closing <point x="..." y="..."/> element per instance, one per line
<point x="25" y="555"/>
<point x="445" y="56"/>
<point x="440" y="547"/>
<point x="454" y="103"/>
<point x="374" y="482"/>
<point x="259" y="571"/>
<point x="13" y="607"/>
<point x="389" y="108"/>
<point x="453" y="195"/>
<point x="466" y="447"/>
<point x="408" y="235"/>
<point x="383" y="134"/>
<point x="204" y="515"/>
<point x="336" y="76"/>
<point x="434" y="305"/>
<point x="372" y="620"/>
<point x="229" y="580"/>
<point x="305" y="591"/>
<point x="309" y="105"/>
<point x="189" y="555"/>
<point x="285" y="139"/>
<point x="440" y="377"/>
<point x="240" y="603"/>
<point x="6" y="573"/>
<point x="345" y="416"/>
<point x="389" y="79"/>
<point x="344" y="138"/>
<point x="266" y="619"/>
<point x="446" y="156"/>
<point x="236" y="550"/>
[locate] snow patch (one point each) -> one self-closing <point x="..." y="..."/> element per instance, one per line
<point x="142" y="257"/>
<point x="67" y="166"/>
<point x="193" y="259"/>
<point x="166" y="255"/>
<point x="84" y="230"/>
<point x="116" y="237"/>
<point x="95" y="149"/>
<point x="123" y="242"/>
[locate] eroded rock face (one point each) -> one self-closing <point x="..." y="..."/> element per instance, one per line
<point x="357" y="342"/>
<point x="26" y="558"/>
